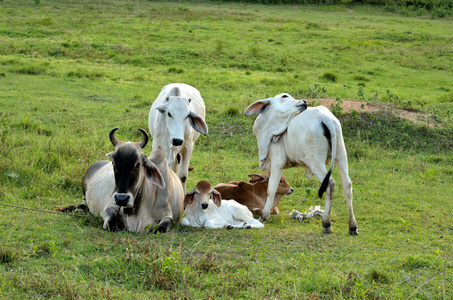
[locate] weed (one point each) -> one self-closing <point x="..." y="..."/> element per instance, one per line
<point x="328" y="76"/>
<point x="316" y="91"/>
<point x="336" y="108"/>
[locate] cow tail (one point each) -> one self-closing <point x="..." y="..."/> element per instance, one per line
<point x="330" y="133"/>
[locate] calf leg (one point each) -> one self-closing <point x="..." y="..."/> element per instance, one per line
<point x="326" y="215"/>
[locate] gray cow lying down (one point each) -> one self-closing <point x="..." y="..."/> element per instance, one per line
<point x="132" y="191"/>
<point x="291" y="135"/>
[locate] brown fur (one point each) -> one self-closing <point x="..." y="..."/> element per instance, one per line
<point x="253" y="194"/>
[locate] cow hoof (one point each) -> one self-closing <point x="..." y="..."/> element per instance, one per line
<point x="353" y="231"/>
<point x="160" y="229"/>
<point x="263" y="219"/>
<point x="111" y="225"/>
<point x="327" y="230"/>
<point x="229" y="227"/>
<point x="248" y="226"/>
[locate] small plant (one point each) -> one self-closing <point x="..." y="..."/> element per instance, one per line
<point x="336" y="108"/>
<point x="328" y="76"/>
<point x="316" y="91"/>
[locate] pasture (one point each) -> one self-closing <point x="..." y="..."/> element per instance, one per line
<point x="70" y="71"/>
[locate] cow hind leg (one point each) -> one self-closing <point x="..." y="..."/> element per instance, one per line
<point x="347" y="190"/>
<point x="326" y="224"/>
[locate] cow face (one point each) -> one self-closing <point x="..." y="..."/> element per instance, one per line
<point x="201" y="194"/>
<point x="283" y="186"/>
<point x="178" y="116"/>
<point x="282" y="105"/>
<point x="131" y="167"/>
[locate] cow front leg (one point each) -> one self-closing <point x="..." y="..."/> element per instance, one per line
<point x="274" y="180"/>
<point x="183" y="169"/>
<point x="163" y="226"/>
<point x="112" y="218"/>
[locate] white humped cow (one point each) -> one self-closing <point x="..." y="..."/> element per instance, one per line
<point x="175" y="121"/>
<point x="291" y="135"/>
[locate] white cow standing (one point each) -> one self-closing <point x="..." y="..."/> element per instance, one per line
<point x="291" y="135"/>
<point x="175" y="121"/>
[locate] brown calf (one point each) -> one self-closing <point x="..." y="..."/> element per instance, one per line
<point x="253" y="194"/>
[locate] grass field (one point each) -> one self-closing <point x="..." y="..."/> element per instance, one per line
<point x="70" y="71"/>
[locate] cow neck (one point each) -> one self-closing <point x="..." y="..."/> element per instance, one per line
<point x="137" y="198"/>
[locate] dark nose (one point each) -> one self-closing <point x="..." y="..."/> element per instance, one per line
<point x="121" y="199"/>
<point x="204" y="205"/>
<point x="305" y="105"/>
<point x="290" y="191"/>
<point x="177" y="142"/>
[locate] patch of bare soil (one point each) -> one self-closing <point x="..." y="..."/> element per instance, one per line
<point x="349" y="105"/>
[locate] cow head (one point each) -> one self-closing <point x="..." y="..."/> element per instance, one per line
<point x="177" y="112"/>
<point x="201" y="194"/>
<point x="131" y="167"/>
<point x="274" y="117"/>
<point x="283" y="186"/>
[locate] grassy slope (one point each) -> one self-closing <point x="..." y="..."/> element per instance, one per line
<point x="70" y="71"/>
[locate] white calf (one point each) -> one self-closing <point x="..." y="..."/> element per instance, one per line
<point x="201" y="211"/>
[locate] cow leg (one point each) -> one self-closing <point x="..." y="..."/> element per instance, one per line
<point x="274" y="180"/>
<point x="183" y="169"/>
<point x="164" y="225"/>
<point x="112" y="218"/>
<point x="326" y="224"/>
<point x="347" y="190"/>
<point x="320" y="173"/>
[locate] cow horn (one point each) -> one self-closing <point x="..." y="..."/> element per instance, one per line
<point x="145" y="138"/>
<point x="113" y="139"/>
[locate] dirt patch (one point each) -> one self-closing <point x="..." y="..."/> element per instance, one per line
<point x="349" y="105"/>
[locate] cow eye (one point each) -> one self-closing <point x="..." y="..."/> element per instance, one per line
<point x="169" y="114"/>
<point x="281" y="181"/>
<point x="137" y="165"/>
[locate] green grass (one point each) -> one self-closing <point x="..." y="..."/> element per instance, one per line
<point x="72" y="70"/>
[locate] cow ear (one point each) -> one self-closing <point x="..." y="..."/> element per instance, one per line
<point x="110" y="155"/>
<point x="257" y="178"/>
<point x="198" y="123"/>
<point x="162" y="108"/>
<point x="216" y="197"/>
<point x="188" y="199"/>
<point x="257" y="107"/>
<point x="152" y="173"/>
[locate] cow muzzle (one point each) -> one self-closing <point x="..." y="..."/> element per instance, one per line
<point x="177" y="142"/>
<point x="289" y="191"/>
<point x="122" y="199"/>
<point x="204" y="205"/>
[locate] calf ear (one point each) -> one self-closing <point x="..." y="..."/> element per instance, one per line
<point x="188" y="199"/>
<point x="152" y="173"/>
<point x="258" y="178"/>
<point x="198" y="123"/>
<point x="110" y="155"/>
<point x="162" y="108"/>
<point x="257" y="107"/>
<point x="216" y="197"/>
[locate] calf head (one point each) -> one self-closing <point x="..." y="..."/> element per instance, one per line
<point x="176" y="111"/>
<point x="283" y="186"/>
<point x="273" y="120"/>
<point x="201" y="194"/>
<point x="131" y="167"/>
